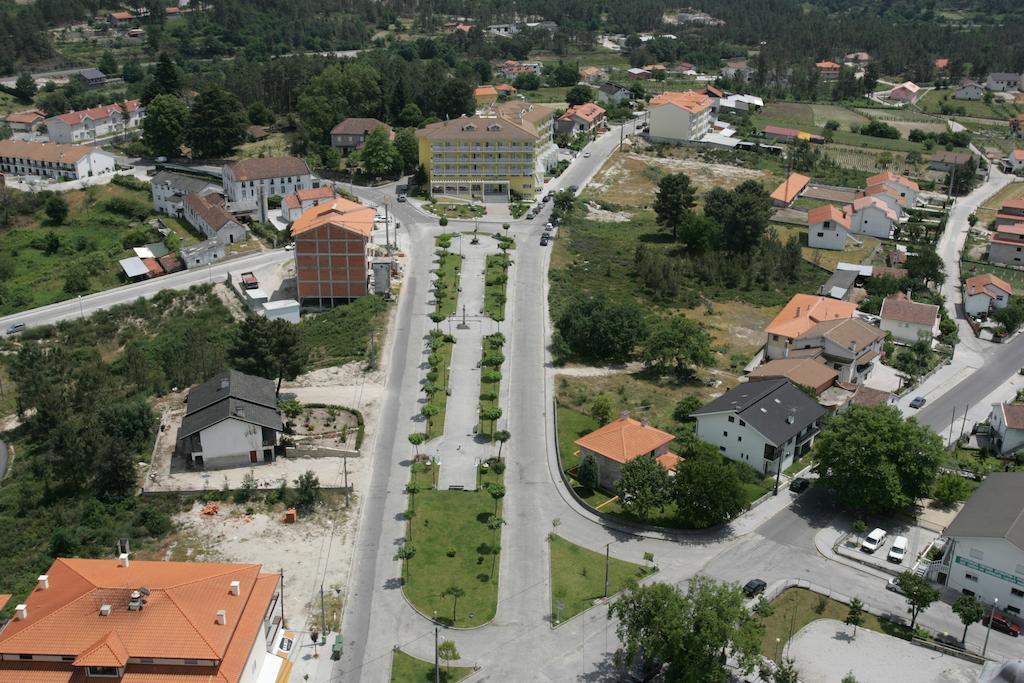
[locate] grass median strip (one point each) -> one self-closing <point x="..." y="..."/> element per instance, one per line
<point x="453" y="571"/>
<point x="577" y="577"/>
<point x="497" y="279"/>
<point x="490" y="381"/>
<point x="408" y="669"/>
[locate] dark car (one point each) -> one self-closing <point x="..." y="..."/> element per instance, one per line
<point x="573" y="188"/>
<point x="547" y="198"/>
<point x="543" y="240"/>
<point x="917" y="402"/>
<point x="401" y="197"/>
<point x="799" y="485"/>
<point x="1003" y="625"/>
<point x="754" y="587"/>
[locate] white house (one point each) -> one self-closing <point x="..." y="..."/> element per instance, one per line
<point x="59" y="162"/>
<point x="202" y="254"/>
<point x="969" y="90"/>
<point x="1015" y="161"/>
<point x="1007" y="422"/>
<point x="849" y="346"/>
<point x="170" y="189"/>
<point x="827" y="228"/>
<point x="232" y="419"/>
<point x="250" y="182"/>
<point x="208" y="216"/>
<point x="1001" y="82"/>
<point x="985" y="292"/>
<point x="984" y="555"/>
<point x="891" y="198"/>
<point x="612" y="94"/>
<point x="872" y="216"/>
<point x="679" y="116"/>
<point x="96" y="123"/>
<point x="293" y="205"/>
<point x="582" y="118"/>
<point x="764" y="424"/>
<point x="909" y="321"/>
<point x="802" y="313"/>
<point x="905" y="92"/>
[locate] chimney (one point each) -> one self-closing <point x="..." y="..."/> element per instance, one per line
<point x="21" y="612"/>
<point x="643" y="421"/>
<point x="236" y="587"/>
<point x="135" y="602"/>
<point x="43" y="582"/>
<point x="105" y="610"/>
<point x="222" y="616"/>
<point x="797" y="312"/>
<point x="224" y="383"/>
<point x="123" y="557"/>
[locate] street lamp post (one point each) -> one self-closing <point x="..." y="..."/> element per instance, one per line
<point x="437" y="661"/>
<point x="607" y="547"/>
<point x="995" y="601"/>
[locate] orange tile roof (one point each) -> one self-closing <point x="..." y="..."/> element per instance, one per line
<point x="1012" y="203"/>
<point x="121" y="16"/>
<point x="485" y="90"/>
<point x="73" y="118"/>
<point x="178" y="620"/>
<point x="30" y="116"/>
<point x="4" y="599"/>
<point x="902" y="309"/>
<point x="809" y="372"/>
<point x="827" y="65"/>
<point x="341" y="212"/>
<point x="804" y="311"/>
<point x="624" y="439"/>
<point x="295" y="200"/>
<point x="668" y="460"/>
<point x="1014" y="229"/>
<point x="790" y="188"/>
<point x="889" y="175"/>
<point x="588" y="111"/>
<point x="980" y="284"/>
<point x="861" y="203"/>
<point x="827" y="212"/>
<point x="505" y="88"/>
<point x="693" y="101"/>
<point x="872" y="190"/>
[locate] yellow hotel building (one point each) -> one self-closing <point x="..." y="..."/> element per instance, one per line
<point x="491" y="154"/>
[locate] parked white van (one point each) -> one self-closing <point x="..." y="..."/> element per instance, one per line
<point x="898" y="550"/>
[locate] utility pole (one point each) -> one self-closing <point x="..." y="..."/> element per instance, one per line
<point x="607" y="547"/>
<point x="778" y="474"/>
<point x="281" y="570"/>
<point x="437" y="661"/>
<point x="323" y="613"/>
<point x="963" y="425"/>
<point x="345" y="463"/>
<point x="995" y="601"/>
<point x="387" y="223"/>
<point x="951" y="423"/>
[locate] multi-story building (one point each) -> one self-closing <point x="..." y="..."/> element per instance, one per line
<point x="984" y="555"/>
<point x="1001" y="82"/>
<point x="909" y="321"/>
<point x="680" y="116"/>
<point x="206" y="213"/>
<point x="132" y="620"/>
<point x="1010" y="213"/>
<point x="849" y="346"/>
<point x="351" y="134"/>
<point x="60" y="162"/>
<point x="331" y="242"/>
<point x="802" y="313"/>
<point x="170" y="189"/>
<point x="765" y="424"/>
<point x="904" y="187"/>
<point x="249" y="183"/>
<point x="293" y="205"/>
<point x="490" y="155"/>
<point x="828" y="71"/>
<point x="581" y="118"/>
<point x="99" y="122"/>
<point x="872" y="216"/>
<point x="827" y="228"/>
<point x="24" y="121"/>
<point x="1006" y="245"/>
<point x="985" y="293"/>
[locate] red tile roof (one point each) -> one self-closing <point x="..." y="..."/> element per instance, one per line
<point x="827" y="212"/>
<point x="984" y="284"/>
<point x="1017" y="204"/>
<point x="341" y="212"/>
<point x="73" y="118"/>
<point x="587" y="111"/>
<point x="804" y="311"/>
<point x="693" y="101"/>
<point x="268" y="167"/>
<point x="861" y="203"/>
<point x="889" y="175"/>
<point x="294" y="201"/>
<point x="1013" y="415"/>
<point x="790" y="188"/>
<point x="828" y="66"/>
<point x="31" y="116"/>
<point x="624" y="439"/>
<point x="900" y="308"/>
<point x="215" y="215"/>
<point x="1014" y="229"/>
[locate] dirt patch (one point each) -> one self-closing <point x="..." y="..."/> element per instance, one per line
<point x="738" y="329"/>
<point x="596" y="213"/>
<point x="231" y="301"/>
<point x="315" y="550"/>
<point x="591" y="371"/>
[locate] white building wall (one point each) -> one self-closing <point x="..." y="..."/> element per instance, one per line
<point x="970" y="92"/>
<point x="249" y="190"/>
<point x="833" y="237"/>
<point x="990" y="568"/>
<point x="976" y="304"/>
<point x="871" y="221"/>
<point x="901" y="191"/>
<point x="1012" y="438"/>
<point x="254" y="663"/>
<point x="231" y="438"/>
<point x="908" y="333"/>
<point x="669" y="123"/>
<point x="738" y="441"/>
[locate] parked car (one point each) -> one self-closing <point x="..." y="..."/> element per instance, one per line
<point x="586" y="155"/>
<point x="548" y="225"/>
<point x="1002" y="624"/>
<point x="894" y="586"/>
<point x="543" y="240"/>
<point x="401" y="197"/>
<point x="546" y="235"/>
<point x="547" y="198"/>
<point x="16" y="328"/>
<point x="573" y="188"/>
<point x="799" y="485"/>
<point x="529" y="215"/>
<point x="754" y="587"/>
<point x="898" y="550"/>
<point x="917" y="402"/>
<point x="874" y="540"/>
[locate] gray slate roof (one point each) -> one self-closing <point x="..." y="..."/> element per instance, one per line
<point x="996" y="510"/>
<point x="91" y="74"/>
<point x="181" y="183"/>
<point x="765" y="405"/>
<point x="231" y="394"/>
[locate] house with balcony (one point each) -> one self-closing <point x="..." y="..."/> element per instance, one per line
<point x="170" y="189"/>
<point x="492" y="155"/>
<point x="580" y="118"/>
<point x="765" y="424"/>
<point x="58" y="162"/>
<point x="231" y="420"/>
<point x="1010" y="213"/>
<point x="93" y="124"/>
<point x="677" y="117"/>
<point x="123" y="620"/>
<point x="621" y="441"/>
<point x="800" y="315"/>
<point x="850" y="346"/>
<point x="249" y="183"/>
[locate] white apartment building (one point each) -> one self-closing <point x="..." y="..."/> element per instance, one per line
<point x="250" y="182"/>
<point x="679" y="116"/>
<point x="59" y="162"/>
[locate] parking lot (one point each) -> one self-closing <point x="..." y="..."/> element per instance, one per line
<point x="918" y="541"/>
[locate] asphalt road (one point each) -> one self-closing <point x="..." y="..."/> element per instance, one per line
<point x="82" y="306"/>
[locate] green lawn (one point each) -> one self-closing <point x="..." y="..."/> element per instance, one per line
<point x="448" y="270"/>
<point x="798" y="465"/>
<point x="490" y="391"/>
<point x="496" y="281"/>
<point x="454" y="520"/>
<point x="572" y="424"/>
<point x="346" y="333"/>
<point x="440" y="399"/>
<point x="1013" y="277"/>
<point x="577" y="577"/>
<point x="797" y="607"/>
<point x="453" y="210"/>
<point x="600" y="58"/>
<point x="554" y="95"/>
<point x="932" y="103"/>
<point x="43" y="263"/>
<point x="408" y="669"/>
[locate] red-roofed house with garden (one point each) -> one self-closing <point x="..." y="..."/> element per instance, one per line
<point x="827" y="228"/>
<point x="986" y="292"/>
<point x="621" y="441"/>
<point x="581" y="118"/>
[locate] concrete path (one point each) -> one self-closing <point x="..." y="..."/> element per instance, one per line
<point x="461" y="448"/>
<point x="870" y="656"/>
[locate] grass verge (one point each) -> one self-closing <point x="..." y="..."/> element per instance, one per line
<point x="448" y="270"/>
<point x="346" y="333"/>
<point x="577" y="577"/>
<point x="408" y="669"/>
<point x="454" y="548"/>
<point x="440" y="360"/>
<point x="490" y="379"/>
<point x="797" y="607"/>
<point x="496" y="281"/>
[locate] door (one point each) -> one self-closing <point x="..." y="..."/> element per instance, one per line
<point x="252" y="456"/>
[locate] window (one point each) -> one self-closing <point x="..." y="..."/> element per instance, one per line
<point x="722" y="448"/>
<point x="104" y="671"/>
<point x="1012" y="609"/>
<point x="967" y="592"/>
<point x="739" y="438"/>
<point x="971" y="577"/>
<point x="1018" y="592"/>
<point x="725" y="433"/>
<point x="24" y="656"/>
<point x="742" y="423"/>
<point x="821" y="234"/>
<point x="732" y="419"/>
<point x="976" y="554"/>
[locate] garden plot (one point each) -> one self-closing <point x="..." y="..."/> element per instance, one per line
<point x="865" y="159"/>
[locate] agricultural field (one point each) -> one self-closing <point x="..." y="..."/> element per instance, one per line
<point x="554" y="96"/>
<point x="275" y="145"/>
<point x="987" y="212"/>
<point x="869" y="161"/>
<point x="823" y="113"/>
<point x="811" y="118"/>
<point x="599" y="58"/>
<point x="932" y="103"/>
<point x="10" y="103"/>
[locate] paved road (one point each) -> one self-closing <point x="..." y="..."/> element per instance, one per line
<point x="86" y="305"/>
